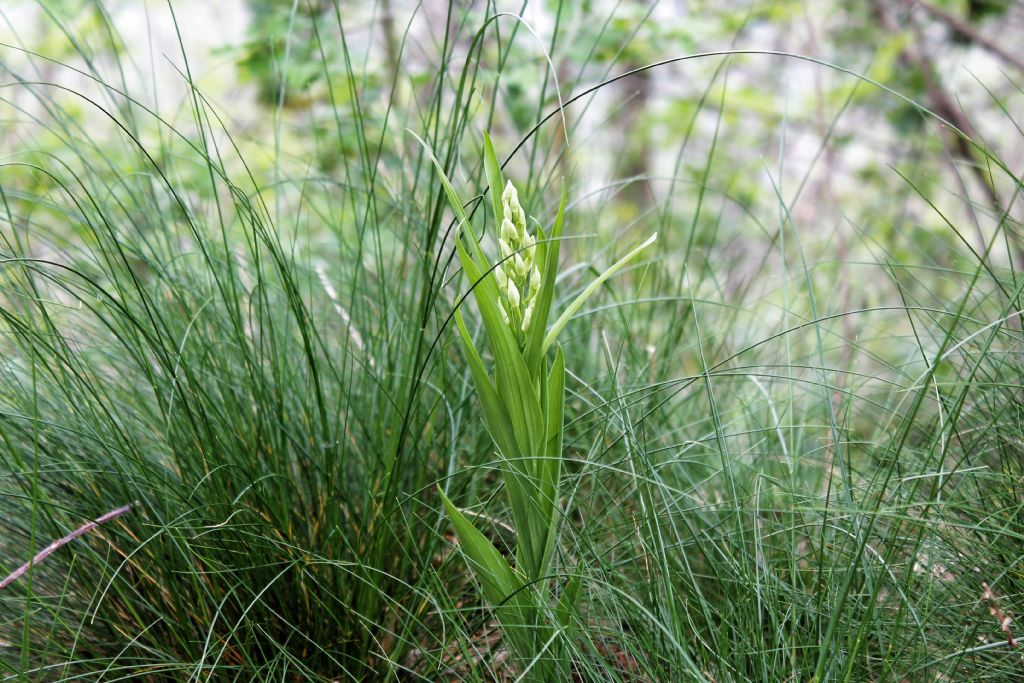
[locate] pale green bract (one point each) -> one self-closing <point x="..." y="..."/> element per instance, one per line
<point x="523" y="405"/>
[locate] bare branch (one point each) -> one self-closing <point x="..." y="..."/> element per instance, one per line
<point x="968" y="31"/>
<point x="56" y="545"/>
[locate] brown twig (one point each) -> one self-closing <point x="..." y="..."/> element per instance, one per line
<point x="56" y="545"/>
<point x="913" y="54"/>
<point x="972" y="34"/>
<point x="1001" y="617"/>
<point x="960" y="142"/>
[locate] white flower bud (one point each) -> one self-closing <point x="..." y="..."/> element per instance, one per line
<point x="534" y="280"/>
<point x="513" y="210"/>
<point x="506" y="250"/>
<point x="528" y="250"/>
<point x="527" y="316"/>
<point x="512" y="292"/>
<point x="509" y="195"/>
<point x="520" y="265"/>
<point x="508" y="231"/>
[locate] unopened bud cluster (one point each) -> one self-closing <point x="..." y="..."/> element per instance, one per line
<point x="518" y="275"/>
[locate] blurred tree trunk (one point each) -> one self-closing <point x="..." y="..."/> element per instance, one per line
<point x="387" y="26"/>
<point x="963" y="30"/>
<point x="633" y="160"/>
<point x="959" y="146"/>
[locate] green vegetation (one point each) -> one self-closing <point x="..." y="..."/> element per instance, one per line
<point x="782" y="442"/>
<point x="524" y="408"/>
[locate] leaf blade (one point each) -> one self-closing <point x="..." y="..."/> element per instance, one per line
<point x="578" y="302"/>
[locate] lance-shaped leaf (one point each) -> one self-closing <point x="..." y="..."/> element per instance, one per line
<point x="512" y="380"/>
<point x="568" y="600"/>
<point x="495" y="417"/>
<point x="520" y="479"/>
<point x="578" y="302"/>
<point x="549" y="262"/>
<point x="503" y="587"/>
<point x="494" y="180"/>
<point x="498" y="579"/>
<point x="549" y="468"/>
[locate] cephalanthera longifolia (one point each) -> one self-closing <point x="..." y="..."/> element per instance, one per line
<point x="522" y="401"/>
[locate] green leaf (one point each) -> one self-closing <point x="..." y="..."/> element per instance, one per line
<point x="485" y="292"/>
<point x="457" y="207"/>
<point x="503" y="587"/>
<point x="531" y="529"/>
<point x="552" y="247"/>
<point x="550" y="470"/>
<point x="534" y="493"/>
<point x="498" y="579"/>
<point x="570" y="311"/>
<point x="555" y="405"/>
<point x="521" y="399"/>
<point x="495" y="416"/>
<point x="494" y="179"/>
<point x="568" y="600"/>
<point x="512" y="380"/>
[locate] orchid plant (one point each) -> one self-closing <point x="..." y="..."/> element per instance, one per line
<point x="523" y="405"/>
